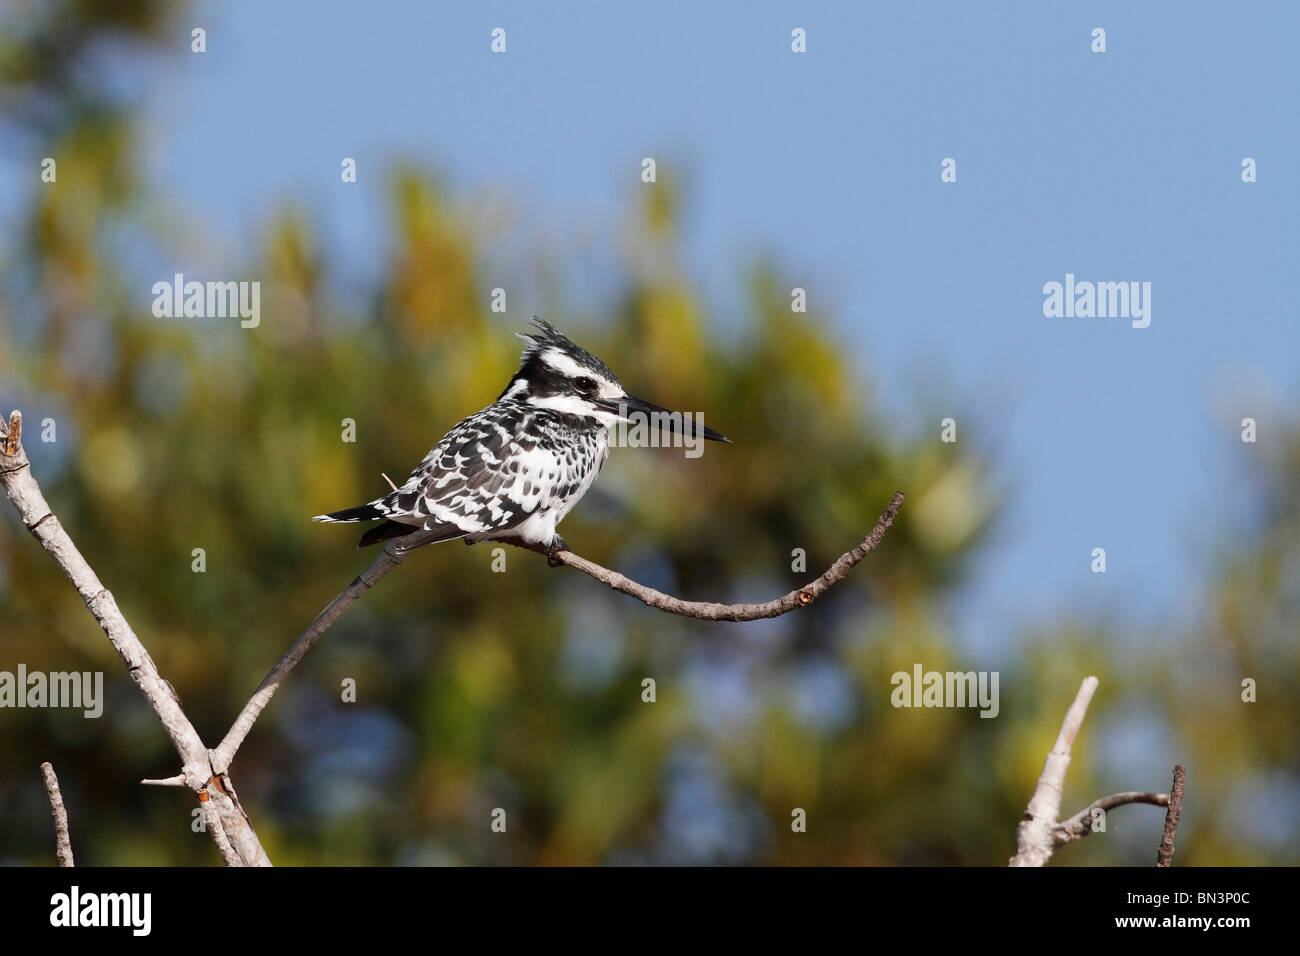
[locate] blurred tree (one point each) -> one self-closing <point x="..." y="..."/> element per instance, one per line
<point x="520" y="690"/>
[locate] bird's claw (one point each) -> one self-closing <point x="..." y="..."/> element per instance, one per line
<point x="556" y="547"/>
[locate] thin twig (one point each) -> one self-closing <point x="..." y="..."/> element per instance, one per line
<point x="1165" y="855"/>
<point x="1080" y="825"/>
<point x="395" y="553"/>
<point x="224" y="753"/>
<point x="25" y="494"/>
<point x="63" y="842"/>
<point x="711" y="611"/>
<point x="176" y="781"/>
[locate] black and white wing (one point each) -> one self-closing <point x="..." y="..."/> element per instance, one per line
<point x="489" y="474"/>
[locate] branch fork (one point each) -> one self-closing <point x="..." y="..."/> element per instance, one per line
<point x="241" y="846"/>
<point x="1040" y="834"/>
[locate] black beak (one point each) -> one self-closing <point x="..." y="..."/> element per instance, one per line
<point x="677" y="423"/>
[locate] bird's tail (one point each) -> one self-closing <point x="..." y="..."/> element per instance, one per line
<point x="380" y="532"/>
<point x="385" y="530"/>
<point x="359" y="513"/>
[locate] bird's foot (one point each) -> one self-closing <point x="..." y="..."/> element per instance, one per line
<point x="557" y="545"/>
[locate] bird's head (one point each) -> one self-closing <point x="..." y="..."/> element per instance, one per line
<point x="557" y="374"/>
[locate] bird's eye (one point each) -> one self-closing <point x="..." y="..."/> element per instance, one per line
<point x="587" y="385"/>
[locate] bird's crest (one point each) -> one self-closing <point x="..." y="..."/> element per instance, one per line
<point x="548" y="336"/>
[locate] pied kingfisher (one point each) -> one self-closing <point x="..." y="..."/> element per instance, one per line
<point x="515" y="469"/>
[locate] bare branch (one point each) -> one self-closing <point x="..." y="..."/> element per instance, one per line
<point x="176" y="781"/>
<point x="388" y="559"/>
<point x="22" y="490"/>
<point x="1038" y="835"/>
<point x="1035" y="835"/>
<point x="63" y="842"/>
<point x="215" y="825"/>
<point x="395" y="553"/>
<point x="1080" y="825"/>
<point x="711" y="611"/>
<point x="1165" y="855"/>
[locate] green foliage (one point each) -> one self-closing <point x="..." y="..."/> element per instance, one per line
<point x="523" y="690"/>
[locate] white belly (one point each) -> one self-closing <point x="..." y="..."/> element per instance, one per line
<point x="539" y="527"/>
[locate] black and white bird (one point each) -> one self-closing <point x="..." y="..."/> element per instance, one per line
<point x="515" y="469"/>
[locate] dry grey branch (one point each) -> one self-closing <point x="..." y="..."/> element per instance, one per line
<point x="62" y="840"/>
<point x="712" y="611"/>
<point x="1080" y="825"/>
<point x="176" y="781"/>
<point x="1165" y="854"/>
<point x="1039" y="834"/>
<point x="388" y="559"/>
<point x="395" y="553"/>
<point x="22" y="490"/>
<point x="212" y="820"/>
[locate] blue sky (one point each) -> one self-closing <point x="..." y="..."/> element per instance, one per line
<point x="1122" y="166"/>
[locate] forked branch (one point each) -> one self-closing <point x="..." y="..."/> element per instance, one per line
<point x="1040" y="834"/>
<point x="236" y="839"/>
